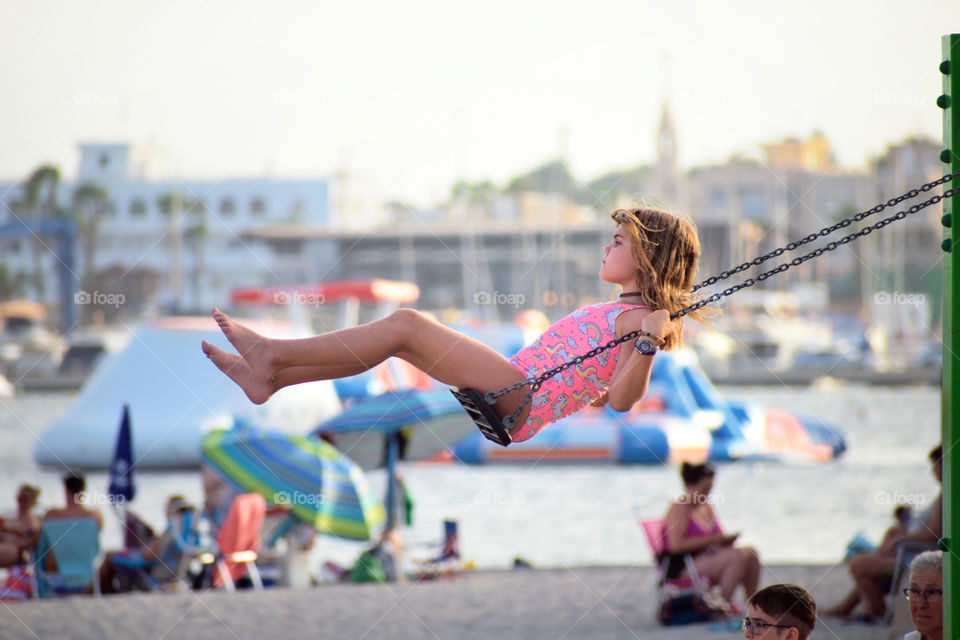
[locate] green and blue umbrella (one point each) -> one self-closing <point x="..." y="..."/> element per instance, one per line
<point x="317" y="483"/>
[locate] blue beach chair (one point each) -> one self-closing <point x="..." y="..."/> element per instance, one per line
<point x="75" y="545"/>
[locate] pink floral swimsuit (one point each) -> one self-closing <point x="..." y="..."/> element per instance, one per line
<point x="576" y="387"/>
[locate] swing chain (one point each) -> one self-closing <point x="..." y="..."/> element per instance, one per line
<point x="892" y="202"/>
<point x="830" y="246"/>
<point x="491" y="397"/>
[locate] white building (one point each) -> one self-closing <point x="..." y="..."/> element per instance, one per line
<point x="187" y="261"/>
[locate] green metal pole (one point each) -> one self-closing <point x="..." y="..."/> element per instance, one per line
<point x="950" y="68"/>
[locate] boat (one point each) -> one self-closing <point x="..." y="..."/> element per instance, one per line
<point x="681" y="417"/>
<point x="85" y="349"/>
<point x="27" y="345"/>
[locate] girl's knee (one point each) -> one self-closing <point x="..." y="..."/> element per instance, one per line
<point x="407" y="317"/>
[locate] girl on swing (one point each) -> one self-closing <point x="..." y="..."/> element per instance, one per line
<point x="651" y="258"/>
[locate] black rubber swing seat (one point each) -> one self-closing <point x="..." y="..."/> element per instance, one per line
<point x="482" y="413"/>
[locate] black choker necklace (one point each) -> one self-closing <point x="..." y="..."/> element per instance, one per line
<point x="633" y="293"/>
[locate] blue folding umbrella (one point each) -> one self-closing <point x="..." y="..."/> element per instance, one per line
<point x="122" y="489"/>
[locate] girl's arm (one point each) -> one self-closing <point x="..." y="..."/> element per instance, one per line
<point x="632" y="374"/>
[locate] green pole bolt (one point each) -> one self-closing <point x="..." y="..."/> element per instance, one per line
<point x="945" y="67"/>
<point x="945" y="155"/>
<point x="946" y="220"/>
<point x="943" y="101"/>
<point x="945" y="245"/>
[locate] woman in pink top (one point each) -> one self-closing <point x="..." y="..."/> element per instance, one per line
<point x="651" y="258"/>
<point x="691" y="527"/>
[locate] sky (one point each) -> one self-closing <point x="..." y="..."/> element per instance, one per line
<point x="409" y="97"/>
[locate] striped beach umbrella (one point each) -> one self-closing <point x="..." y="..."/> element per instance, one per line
<point x="317" y="483"/>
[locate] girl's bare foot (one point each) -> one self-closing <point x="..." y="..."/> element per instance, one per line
<point x="255" y="348"/>
<point x="238" y="369"/>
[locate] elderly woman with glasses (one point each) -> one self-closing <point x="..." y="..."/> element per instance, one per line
<point x="925" y="594"/>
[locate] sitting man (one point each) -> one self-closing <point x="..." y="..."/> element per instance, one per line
<point x="780" y="612"/>
<point x="74" y="486"/>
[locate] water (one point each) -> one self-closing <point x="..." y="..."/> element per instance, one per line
<point x="570" y="515"/>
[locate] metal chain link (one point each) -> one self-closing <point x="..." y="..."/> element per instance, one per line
<point x="508" y="421"/>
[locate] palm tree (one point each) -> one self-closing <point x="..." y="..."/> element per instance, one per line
<point x="40" y="195"/>
<point x="196" y="236"/>
<point x="173" y="205"/>
<point x="11" y="284"/>
<point x="89" y="202"/>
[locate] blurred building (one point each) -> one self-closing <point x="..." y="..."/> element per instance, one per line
<point x="493" y="269"/>
<point x="178" y="244"/>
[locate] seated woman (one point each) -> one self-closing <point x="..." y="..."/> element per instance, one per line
<point x="691" y="526"/>
<point x="16" y="533"/>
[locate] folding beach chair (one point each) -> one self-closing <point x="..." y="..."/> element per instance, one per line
<point x="74" y="545"/>
<point x="691" y="587"/>
<point x="238" y="542"/>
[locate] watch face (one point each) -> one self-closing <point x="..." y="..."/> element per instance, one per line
<point x="645" y="346"/>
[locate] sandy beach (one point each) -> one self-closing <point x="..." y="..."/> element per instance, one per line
<point x="587" y="602"/>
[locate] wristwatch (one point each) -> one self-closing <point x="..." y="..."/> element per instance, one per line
<point x="644" y="347"/>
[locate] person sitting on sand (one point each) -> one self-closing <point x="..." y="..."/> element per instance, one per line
<point x="154" y="556"/>
<point x="691" y="526"/>
<point x="902" y="516"/>
<point x="870" y="570"/>
<point x="17" y="532"/>
<point x="780" y="612"/>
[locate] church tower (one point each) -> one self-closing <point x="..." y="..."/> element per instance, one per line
<point x="666" y="185"/>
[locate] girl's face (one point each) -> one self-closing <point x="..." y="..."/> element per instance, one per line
<point x="618" y="265"/>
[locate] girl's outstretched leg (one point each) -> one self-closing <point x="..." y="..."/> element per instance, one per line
<point x="444" y="354"/>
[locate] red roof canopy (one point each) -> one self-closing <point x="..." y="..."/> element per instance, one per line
<point x="363" y="290"/>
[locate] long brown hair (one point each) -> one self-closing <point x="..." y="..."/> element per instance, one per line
<point x="666" y="249"/>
